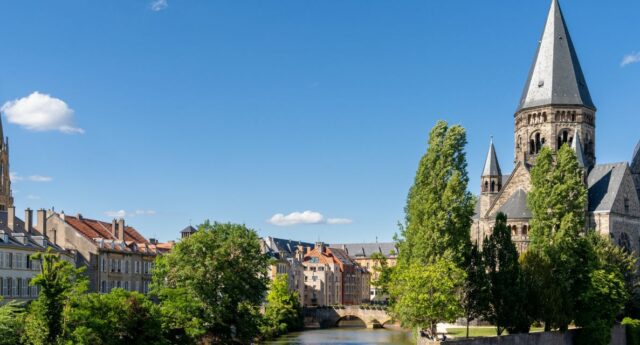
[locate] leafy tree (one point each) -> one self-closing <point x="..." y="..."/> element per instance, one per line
<point x="59" y="281"/>
<point x="505" y="280"/>
<point x="558" y="202"/>
<point x="283" y="312"/>
<point x="382" y="273"/>
<point x="212" y="284"/>
<point x="439" y="206"/>
<point x="119" y="317"/>
<point x="11" y="315"/>
<point x="476" y="290"/>
<point x="426" y="295"/>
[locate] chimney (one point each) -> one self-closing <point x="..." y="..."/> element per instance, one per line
<point x="42" y="221"/>
<point x="11" y="218"/>
<point x="153" y="241"/>
<point x="114" y="228"/>
<point x="120" y="235"/>
<point x="28" y="220"/>
<point x="320" y="247"/>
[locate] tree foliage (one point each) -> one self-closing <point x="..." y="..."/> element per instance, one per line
<point x="59" y="282"/>
<point x="439" y="207"/>
<point x="11" y="325"/>
<point x="283" y="312"/>
<point x="507" y="291"/>
<point x="382" y="272"/>
<point x="477" y="290"/>
<point x="212" y="284"/>
<point x="426" y="295"/>
<point x="119" y="317"/>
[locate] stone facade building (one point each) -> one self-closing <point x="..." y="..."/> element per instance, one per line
<point x="362" y="254"/>
<point x="115" y="255"/>
<point x="556" y="109"/>
<point x="287" y="258"/>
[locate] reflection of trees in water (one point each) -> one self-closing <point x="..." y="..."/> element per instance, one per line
<point x="352" y="336"/>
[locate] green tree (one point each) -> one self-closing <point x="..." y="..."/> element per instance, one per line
<point x="558" y="202"/>
<point x="283" y="312"/>
<point x="426" y="295"/>
<point x="212" y="284"/>
<point x="119" y="317"/>
<point x="506" y="305"/>
<point x="476" y="292"/>
<point x="382" y="273"/>
<point x="59" y="281"/>
<point x="439" y="206"/>
<point x="11" y="316"/>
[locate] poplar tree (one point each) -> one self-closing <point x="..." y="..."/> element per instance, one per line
<point x="558" y="201"/>
<point x="503" y="269"/>
<point x="476" y="292"/>
<point x="439" y="207"/>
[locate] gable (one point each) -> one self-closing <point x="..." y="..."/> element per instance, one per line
<point x="520" y="180"/>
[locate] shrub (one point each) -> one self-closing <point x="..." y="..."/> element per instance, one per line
<point x="633" y="330"/>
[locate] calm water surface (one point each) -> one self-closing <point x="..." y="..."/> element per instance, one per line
<point x="346" y="336"/>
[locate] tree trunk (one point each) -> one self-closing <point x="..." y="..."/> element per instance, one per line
<point x="467" y="327"/>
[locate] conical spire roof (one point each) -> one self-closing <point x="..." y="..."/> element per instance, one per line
<point x="491" y="165"/>
<point x="635" y="160"/>
<point x="576" y="145"/>
<point x="556" y="76"/>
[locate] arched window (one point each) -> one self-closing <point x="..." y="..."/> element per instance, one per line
<point x="536" y="143"/>
<point x="525" y="230"/>
<point x="493" y="186"/>
<point x="486" y="189"/>
<point x="514" y="230"/>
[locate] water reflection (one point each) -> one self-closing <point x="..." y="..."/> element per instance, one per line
<point x="354" y="336"/>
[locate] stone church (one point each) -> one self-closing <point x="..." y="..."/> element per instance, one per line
<point x="556" y="109"/>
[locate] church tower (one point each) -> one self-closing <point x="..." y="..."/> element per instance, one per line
<point x="6" y="197"/>
<point x="491" y="180"/>
<point x="556" y="103"/>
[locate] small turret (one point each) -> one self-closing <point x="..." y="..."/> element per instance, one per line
<point x="491" y="174"/>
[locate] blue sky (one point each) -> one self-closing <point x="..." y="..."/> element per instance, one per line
<point x="242" y="110"/>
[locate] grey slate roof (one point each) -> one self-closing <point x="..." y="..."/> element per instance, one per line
<point x="576" y="145"/>
<point x="365" y="250"/>
<point x="635" y="160"/>
<point x="188" y="230"/>
<point x="556" y="76"/>
<point x="604" y="184"/>
<point x="491" y="165"/>
<point x="285" y="248"/>
<point x="516" y="206"/>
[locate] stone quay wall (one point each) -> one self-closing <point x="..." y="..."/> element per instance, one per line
<point x="618" y="337"/>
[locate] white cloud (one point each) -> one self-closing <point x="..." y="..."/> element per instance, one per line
<point x="123" y="213"/>
<point x="306" y="217"/>
<point x="40" y="112"/>
<point x="339" y="221"/>
<point x="15" y="177"/>
<point x="39" y="178"/>
<point x="159" y="5"/>
<point x="630" y="59"/>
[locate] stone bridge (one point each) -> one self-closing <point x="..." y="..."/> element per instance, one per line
<point x="327" y="317"/>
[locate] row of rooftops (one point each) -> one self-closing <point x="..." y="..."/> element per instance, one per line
<point x="22" y="235"/>
<point x="281" y="248"/>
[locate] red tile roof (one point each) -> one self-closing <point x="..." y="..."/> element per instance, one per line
<point x="92" y="228"/>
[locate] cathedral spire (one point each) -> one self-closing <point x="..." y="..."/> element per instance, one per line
<point x="491" y="165"/>
<point x="556" y="76"/>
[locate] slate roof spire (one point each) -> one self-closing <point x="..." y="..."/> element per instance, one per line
<point x="491" y="165"/>
<point x="576" y="145"/>
<point x="556" y="77"/>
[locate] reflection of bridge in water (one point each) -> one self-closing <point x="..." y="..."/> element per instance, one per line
<point x="327" y="317"/>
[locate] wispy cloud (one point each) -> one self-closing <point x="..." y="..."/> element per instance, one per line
<point x="306" y="217"/>
<point x="129" y="214"/>
<point x="159" y="5"/>
<point x="15" y="177"/>
<point x="40" y="112"/>
<point x="630" y="59"/>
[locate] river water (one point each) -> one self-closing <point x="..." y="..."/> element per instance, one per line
<point x="351" y="336"/>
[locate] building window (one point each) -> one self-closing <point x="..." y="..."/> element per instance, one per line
<point x="126" y="266"/>
<point x="626" y="205"/>
<point x="103" y="287"/>
<point x="126" y="285"/>
<point x="119" y="266"/>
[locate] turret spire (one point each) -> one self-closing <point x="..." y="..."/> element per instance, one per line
<point x="576" y="145"/>
<point x="491" y="165"/>
<point x="556" y="77"/>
